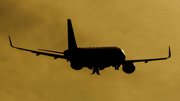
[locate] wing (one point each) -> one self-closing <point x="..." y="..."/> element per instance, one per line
<point x="147" y="60"/>
<point x="50" y="51"/>
<point x="38" y="52"/>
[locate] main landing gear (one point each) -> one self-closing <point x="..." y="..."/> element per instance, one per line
<point x="95" y="70"/>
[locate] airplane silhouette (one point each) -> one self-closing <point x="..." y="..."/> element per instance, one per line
<point x="94" y="58"/>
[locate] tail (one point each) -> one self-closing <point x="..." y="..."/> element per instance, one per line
<point x="71" y="38"/>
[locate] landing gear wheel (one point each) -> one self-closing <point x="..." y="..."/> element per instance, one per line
<point x="117" y="67"/>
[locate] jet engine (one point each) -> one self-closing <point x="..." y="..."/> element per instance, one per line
<point x="128" y="68"/>
<point x="76" y="66"/>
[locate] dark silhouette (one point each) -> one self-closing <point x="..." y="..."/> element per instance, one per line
<point x="96" y="58"/>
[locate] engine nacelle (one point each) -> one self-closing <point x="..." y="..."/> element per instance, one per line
<point x="128" y="68"/>
<point x="76" y="67"/>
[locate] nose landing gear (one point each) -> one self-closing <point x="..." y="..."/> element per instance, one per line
<point x="117" y="67"/>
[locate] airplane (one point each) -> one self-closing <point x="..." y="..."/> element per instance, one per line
<point x="94" y="58"/>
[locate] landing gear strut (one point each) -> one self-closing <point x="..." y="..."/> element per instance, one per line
<point x="95" y="70"/>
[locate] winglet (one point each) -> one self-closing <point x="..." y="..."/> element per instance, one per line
<point x="169" y="52"/>
<point x="10" y="42"/>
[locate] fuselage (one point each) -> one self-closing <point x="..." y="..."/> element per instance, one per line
<point x="96" y="57"/>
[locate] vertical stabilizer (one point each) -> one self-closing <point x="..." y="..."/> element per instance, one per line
<point x="71" y="38"/>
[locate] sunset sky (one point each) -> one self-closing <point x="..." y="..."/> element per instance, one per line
<point x="142" y="28"/>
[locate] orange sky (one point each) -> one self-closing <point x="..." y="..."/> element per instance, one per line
<point x="143" y="29"/>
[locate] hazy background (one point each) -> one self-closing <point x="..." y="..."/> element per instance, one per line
<point x="142" y="28"/>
